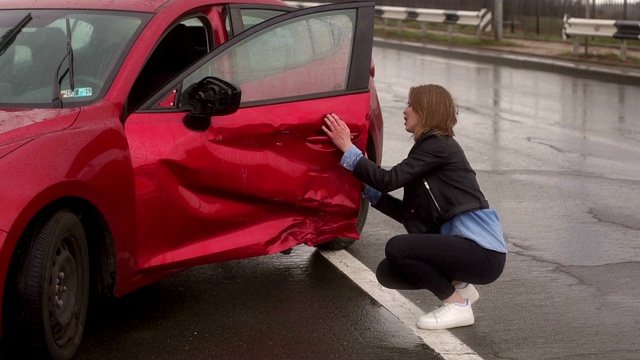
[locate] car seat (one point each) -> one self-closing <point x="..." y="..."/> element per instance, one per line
<point x="47" y="47"/>
<point x="175" y="52"/>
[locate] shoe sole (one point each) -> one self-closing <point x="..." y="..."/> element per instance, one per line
<point x="441" y="326"/>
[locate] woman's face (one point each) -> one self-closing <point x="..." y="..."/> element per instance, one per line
<point x="411" y="119"/>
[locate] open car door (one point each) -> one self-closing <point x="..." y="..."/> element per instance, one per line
<point x="264" y="178"/>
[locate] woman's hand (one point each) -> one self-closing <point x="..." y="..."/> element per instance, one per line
<point x="337" y="131"/>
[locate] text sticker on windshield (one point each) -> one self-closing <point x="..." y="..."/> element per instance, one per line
<point x="79" y="92"/>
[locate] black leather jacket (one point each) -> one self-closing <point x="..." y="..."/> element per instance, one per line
<point x="438" y="184"/>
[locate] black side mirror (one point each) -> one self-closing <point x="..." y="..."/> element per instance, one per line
<point x="208" y="97"/>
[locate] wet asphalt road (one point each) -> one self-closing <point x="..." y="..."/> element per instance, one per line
<point x="557" y="156"/>
<point x="296" y="306"/>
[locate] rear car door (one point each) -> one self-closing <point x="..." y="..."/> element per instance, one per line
<point x="265" y="178"/>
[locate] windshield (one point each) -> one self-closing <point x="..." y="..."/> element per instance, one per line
<point x="37" y="54"/>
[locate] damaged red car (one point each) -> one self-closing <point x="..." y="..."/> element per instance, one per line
<point x="139" y="138"/>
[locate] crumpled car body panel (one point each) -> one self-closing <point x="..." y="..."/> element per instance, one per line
<point x="257" y="182"/>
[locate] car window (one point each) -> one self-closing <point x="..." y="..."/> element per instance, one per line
<point x="303" y="56"/>
<point x="250" y="18"/>
<point x="82" y="31"/>
<point x="28" y="64"/>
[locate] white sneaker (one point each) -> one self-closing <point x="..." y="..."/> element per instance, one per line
<point x="469" y="292"/>
<point x="446" y="317"/>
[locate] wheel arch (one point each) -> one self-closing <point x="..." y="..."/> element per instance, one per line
<point x="102" y="254"/>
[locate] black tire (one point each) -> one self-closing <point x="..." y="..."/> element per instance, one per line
<point x="343" y="243"/>
<point x="53" y="288"/>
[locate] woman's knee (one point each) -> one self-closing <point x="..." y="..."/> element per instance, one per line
<point x="390" y="279"/>
<point x="393" y="250"/>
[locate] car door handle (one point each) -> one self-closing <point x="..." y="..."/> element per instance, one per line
<point x="325" y="139"/>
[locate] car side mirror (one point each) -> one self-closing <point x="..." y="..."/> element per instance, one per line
<point x="209" y="97"/>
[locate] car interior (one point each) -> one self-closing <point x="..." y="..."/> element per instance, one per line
<point x="40" y="64"/>
<point x="179" y="48"/>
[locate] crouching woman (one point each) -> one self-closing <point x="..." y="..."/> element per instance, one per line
<point x="454" y="238"/>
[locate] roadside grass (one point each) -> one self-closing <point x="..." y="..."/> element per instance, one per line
<point x="461" y="33"/>
<point x="466" y="36"/>
<point x="439" y="37"/>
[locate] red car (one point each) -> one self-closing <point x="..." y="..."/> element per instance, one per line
<point x="140" y="138"/>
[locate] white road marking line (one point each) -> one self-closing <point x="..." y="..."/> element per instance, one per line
<point x="442" y="341"/>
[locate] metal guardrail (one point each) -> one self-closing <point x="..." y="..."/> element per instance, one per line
<point x="479" y="19"/>
<point x="616" y="29"/>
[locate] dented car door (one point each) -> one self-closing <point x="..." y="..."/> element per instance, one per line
<point x="265" y="178"/>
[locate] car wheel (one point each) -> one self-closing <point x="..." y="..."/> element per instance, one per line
<point x="343" y="243"/>
<point x="53" y="287"/>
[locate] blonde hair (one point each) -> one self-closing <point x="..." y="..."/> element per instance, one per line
<point x="436" y="109"/>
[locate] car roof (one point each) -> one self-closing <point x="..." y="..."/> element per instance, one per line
<point x="149" y="6"/>
<point x="127" y="5"/>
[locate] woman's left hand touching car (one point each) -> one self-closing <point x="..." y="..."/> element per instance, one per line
<point x="337" y="131"/>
